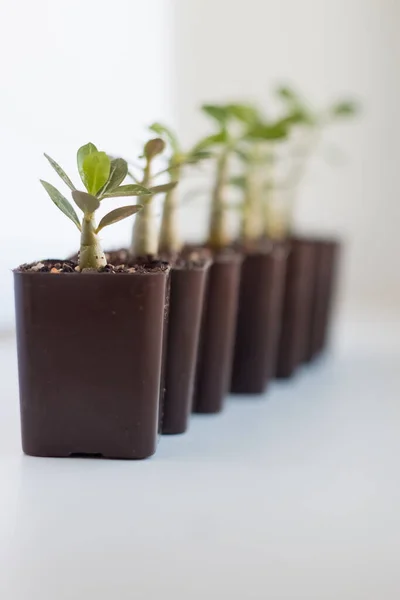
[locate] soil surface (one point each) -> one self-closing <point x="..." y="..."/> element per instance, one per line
<point x="188" y="259"/>
<point x="71" y="266"/>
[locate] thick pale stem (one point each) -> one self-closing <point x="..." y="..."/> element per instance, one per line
<point x="277" y="214"/>
<point x="91" y="255"/>
<point x="252" y="218"/>
<point x="144" y="234"/>
<point x="218" y="229"/>
<point x="170" y="242"/>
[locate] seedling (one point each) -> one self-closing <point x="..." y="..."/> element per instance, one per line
<point x="170" y="242"/>
<point x="144" y="235"/>
<point x="224" y="142"/>
<point x="102" y="178"/>
<point x="256" y="150"/>
<point x="311" y="125"/>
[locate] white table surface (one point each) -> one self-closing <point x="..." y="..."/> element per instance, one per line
<point x="292" y="496"/>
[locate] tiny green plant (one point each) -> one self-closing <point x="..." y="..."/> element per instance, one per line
<point x="223" y="144"/>
<point x="170" y="242"/>
<point x="144" y="235"/>
<point x="256" y="151"/>
<point x="102" y="178"/>
<point x="310" y="124"/>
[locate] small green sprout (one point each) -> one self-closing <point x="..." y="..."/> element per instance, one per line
<point x="243" y="131"/>
<point x="311" y="125"/>
<point x="230" y="121"/>
<point x="170" y="242"/>
<point x="144" y="234"/>
<point x="102" y="178"/>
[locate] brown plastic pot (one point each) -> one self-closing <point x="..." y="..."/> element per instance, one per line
<point x="327" y="261"/>
<point x="187" y="285"/>
<point x="217" y="335"/>
<point x="296" y="315"/>
<point x="89" y="357"/>
<point x="258" y="321"/>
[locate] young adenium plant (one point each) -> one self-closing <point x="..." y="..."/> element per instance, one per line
<point x="170" y="242"/>
<point x="311" y="124"/>
<point x="256" y="150"/>
<point x="242" y="130"/>
<point x="144" y="234"/>
<point x="102" y="178"/>
<point x="224" y="142"/>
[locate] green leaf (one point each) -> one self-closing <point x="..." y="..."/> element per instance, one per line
<point x="118" y="172"/>
<point x="196" y="156"/>
<point x="165" y="187"/>
<point x="274" y="131"/>
<point x="346" y="108"/>
<point x="86" y="202"/>
<point x="61" y="203"/>
<point x="154" y="147"/>
<point x="212" y="140"/>
<point x="163" y="130"/>
<point x="117" y="215"/>
<point x="131" y="189"/>
<point x="83" y="152"/>
<point x="217" y="112"/>
<point x="60" y="172"/>
<point x="286" y="93"/>
<point x="96" y="168"/>
<point x="238" y="181"/>
<point x="246" y="113"/>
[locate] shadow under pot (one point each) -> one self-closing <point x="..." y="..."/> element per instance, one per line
<point x="217" y="334"/>
<point x="326" y="267"/>
<point x="258" y="320"/>
<point x="186" y="300"/>
<point x="296" y="313"/>
<point x="89" y="358"/>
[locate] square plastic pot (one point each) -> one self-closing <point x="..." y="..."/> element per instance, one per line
<point x="296" y="314"/>
<point x="89" y="358"/>
<point x="258" y="320"/>
<point x="217" y="334"/>
<point x="187" y="286"/>
<point x="327" y="264"/>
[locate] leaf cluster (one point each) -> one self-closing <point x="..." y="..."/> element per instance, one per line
<point x="179" y="158"/>
<point x="300" y="113"/>
<point x="102" y="177"/>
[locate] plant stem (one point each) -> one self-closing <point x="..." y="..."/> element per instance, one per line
<point x="144" y="233"/>
<point x="252" y="218"/>
<point x="218" y="236"/>
<point x="170" y="242"/>
<point x="91" y="255"/>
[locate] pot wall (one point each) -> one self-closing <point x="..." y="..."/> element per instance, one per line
<point x="89" y="357"/>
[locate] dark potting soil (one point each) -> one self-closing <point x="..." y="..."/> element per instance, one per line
<point x="193" y="259"/>
<point x="70" y="266"/>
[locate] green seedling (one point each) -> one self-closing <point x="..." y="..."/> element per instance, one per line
<point x="230" y="122"/>
<point x="144" y="234"/>
<point x="170" y="242"/>
<point x="256" y="151"/>
<point x="311" y="125"/>
<point x="102" y="178"/>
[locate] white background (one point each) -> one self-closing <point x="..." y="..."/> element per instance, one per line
<point x="73" y="71"/>
<point x="80" y="70"/>
<point x="290" y="497"/>
<point x="329" y="48"/>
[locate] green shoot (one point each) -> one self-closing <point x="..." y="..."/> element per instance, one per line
<point x="230" y="122"/>
<point x="311" y="125"/>
<point x="144" y="235"/>
<point x="102" y="178"/>
<point x="170" y="242"/>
